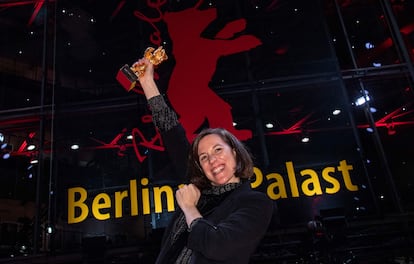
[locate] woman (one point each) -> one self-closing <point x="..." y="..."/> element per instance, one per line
<point x="220" y="218"/>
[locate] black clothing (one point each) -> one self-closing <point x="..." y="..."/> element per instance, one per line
<point x="235" y="217"/>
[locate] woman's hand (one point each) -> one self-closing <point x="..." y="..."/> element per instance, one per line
<point x="147" y="73"/>
<point x="147" y="79"/>
<point x="187" y="198"/>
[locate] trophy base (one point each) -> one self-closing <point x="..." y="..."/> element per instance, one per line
<point x="127" y="78"/>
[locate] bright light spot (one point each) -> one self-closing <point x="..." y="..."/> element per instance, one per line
<point x="336" y="112"/>
<point x="74" y="147"/>
<point x="363" y="99"/>
<point x="369" y="45"/>
<point x="370" y="130"/>
<point x="31" y="147"/>
<point x="269" y="125"/>
<point x="376" y="64"/>
<point x="305" y="139"/>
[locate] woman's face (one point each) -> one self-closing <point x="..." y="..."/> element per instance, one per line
<point x="217" y="159"/>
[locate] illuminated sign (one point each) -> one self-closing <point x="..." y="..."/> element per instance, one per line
<point x="104" y="206"/>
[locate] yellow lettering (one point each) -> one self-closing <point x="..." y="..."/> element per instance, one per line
<point x="279" y="184"/>
<point x="145" y="197"/>
<point x="345" y="168"/>
<point x="311" y="186"/>
<point x="163" y="196"/>
<point x="134" y="197"/>
<point x="292" y="179"/>
<point x="119" y="196"/>
<point x="73" y="204"/>
<point x="330" y="179"/>
<point x="97" y="206"/>
<point x="169" y="196"/>
<point x="259" y="178"/>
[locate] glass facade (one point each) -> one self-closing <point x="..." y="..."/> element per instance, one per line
<point x="338" y="72"/>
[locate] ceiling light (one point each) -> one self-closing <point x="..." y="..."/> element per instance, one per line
<point x="74" y="147"/>
<point x="31" y="147"/>
<point x="369" y="45"/>
<point x="362" y="99"/>
<point x="336" y="112"/>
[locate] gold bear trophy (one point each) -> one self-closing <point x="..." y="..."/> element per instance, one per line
<point x="128" y="76"/>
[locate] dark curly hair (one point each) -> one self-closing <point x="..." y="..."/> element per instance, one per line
<point x="244" y="161"/>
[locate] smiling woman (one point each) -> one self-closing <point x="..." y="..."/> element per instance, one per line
<point x="220" y="219"/>
<point x="219" y="157"/>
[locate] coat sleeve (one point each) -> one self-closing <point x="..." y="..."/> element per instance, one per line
<point x="238" y="233"/>
<point x="172" y="133"/>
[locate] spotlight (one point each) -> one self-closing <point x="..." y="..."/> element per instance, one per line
<point x="31" y="147"/>
<point x="29" y="142"/>
<point x="49" y="229"/>
<point x="336" y="112"/>
<point x="6" y="150"/>
<point x="305" y="139"/>
<point x="362" y="99"/>
<point x="74" y="147"/>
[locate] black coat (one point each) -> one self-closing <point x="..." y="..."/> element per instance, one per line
<point x="231" y="232"/>
<point x="228" y="233"/>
